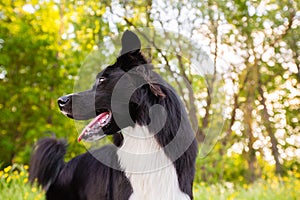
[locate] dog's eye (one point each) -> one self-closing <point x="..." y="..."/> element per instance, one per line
<point x="101" y="80"/>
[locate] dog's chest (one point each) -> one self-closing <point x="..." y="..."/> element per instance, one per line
<point x="151" y="173"/>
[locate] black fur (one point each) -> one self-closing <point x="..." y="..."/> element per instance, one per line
<point x="84" y="177"/>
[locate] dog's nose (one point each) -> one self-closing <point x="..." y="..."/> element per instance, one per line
<point x="63" y="101"/>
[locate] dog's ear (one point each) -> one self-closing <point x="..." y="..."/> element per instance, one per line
<point x="152" y="81"/>
<point x="130" y="43"/>
<point x="130" y="55"/>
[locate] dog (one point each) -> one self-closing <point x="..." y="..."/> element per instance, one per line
<point x="154" y="148"/>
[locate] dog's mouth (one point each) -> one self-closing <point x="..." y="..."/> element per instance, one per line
<point x="94" y="130"/>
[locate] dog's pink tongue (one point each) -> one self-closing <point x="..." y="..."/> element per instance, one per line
<point x="98" y="119"/>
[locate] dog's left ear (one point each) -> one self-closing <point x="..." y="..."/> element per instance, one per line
<point x="130" y="55"/>
<point x="130" y="43"/>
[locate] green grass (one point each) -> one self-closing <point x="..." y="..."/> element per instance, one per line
<point x="14" y="186"/>
<point x="271" y="189"/>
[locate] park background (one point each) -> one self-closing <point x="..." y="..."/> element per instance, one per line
<point x="251" y="87"/>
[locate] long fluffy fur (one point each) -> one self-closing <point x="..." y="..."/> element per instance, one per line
<point x="83" y="177"/>
<point x="47" y="161"/>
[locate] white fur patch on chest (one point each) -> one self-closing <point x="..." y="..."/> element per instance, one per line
<point x="150" y="172"/>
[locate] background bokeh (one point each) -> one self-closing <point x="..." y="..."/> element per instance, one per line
<point x="249" y="90"/>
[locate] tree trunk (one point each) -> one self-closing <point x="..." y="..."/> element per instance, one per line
<point x="248" y="120"/>
<point x="270" y="130"/>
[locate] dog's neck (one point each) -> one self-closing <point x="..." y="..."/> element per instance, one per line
<point x="151" y="173"/>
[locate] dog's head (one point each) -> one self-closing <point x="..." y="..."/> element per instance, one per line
<point x="121" y="95"/>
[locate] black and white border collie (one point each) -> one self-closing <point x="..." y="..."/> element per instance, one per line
<point x="154" y="148"/>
